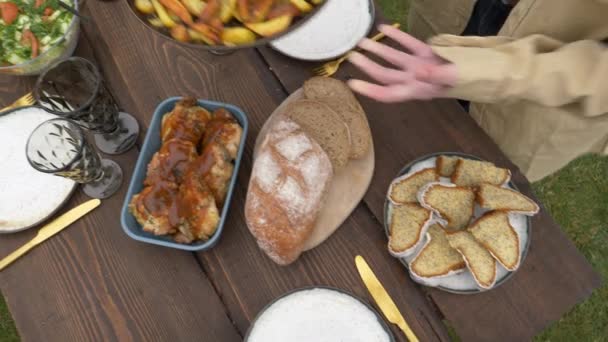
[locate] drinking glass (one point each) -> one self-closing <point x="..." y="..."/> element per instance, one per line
<point x="73" y="88"/>
<point x="59" y="147"/>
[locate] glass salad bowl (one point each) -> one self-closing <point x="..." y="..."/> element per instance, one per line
<point x="53" y="46"/>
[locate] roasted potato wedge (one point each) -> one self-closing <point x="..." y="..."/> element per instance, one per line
<point x="195" y="7"/>
<point x="302" y="5"/>
<point x="228" y="8"/>
<point x="237" y="36"/>
<point x="144" y="6"/>
<point x="271" y="27"/>
<point x="162" y="14"/>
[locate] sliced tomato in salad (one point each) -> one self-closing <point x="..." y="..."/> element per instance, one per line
<point x="9" y="11"/>
<point x="29" y="39"/>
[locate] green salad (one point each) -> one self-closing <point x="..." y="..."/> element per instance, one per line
<point x="28" y="28"/>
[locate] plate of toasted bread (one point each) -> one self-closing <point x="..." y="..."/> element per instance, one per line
<point x="457" y="222"/>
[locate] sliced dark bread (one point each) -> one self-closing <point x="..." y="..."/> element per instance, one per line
<point x="473" y="173"/>
<point x="495" y="233"/>
<point x="494" y="197"/>
<point x="405" y="188"/>
<point x="452" y="203"/>
<point x="408" y="225"/>
<point x="324" y="126"/>
<point x="479" y="261"/>
<point x="445" y="165"/>
<point x="437" y="258"/>
<point x="340" y="98"/>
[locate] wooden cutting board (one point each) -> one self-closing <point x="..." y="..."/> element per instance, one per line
<point x="346" y="190"/>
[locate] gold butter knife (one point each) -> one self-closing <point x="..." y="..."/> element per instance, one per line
<point x="382" y="298"/>
<point x="51" y="229"/>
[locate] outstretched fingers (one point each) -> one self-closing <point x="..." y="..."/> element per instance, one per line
<point x="414" y="45"/>
<point x="376" y="71"/>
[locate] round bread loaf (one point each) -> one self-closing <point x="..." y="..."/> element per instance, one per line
<point x="325" y="126"/>
<point x="341" y="99"/>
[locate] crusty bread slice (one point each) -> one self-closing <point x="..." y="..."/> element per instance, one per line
<point x="445" y="165"/>
<point x="474" y="172"/>
<point x="437" y="258"/>
<point x="479" y="261"/>
<point x="408" y="225"/>
<point x="405" y="188"/>
<point x="494" y="197"/>
<point x="452" y="203"/>
<point x="325" y="127"/>
<point x="495" y="233"/>
<point x="341" y="99"/>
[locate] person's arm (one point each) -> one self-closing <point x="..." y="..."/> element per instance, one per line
<point x="488" y="69"/>
<point x="536" y="68"/>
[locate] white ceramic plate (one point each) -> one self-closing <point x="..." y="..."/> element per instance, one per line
<point x="27" y="196"/>
<point x="333" y="31"/>
<point x="319" y="314"/>
<point x="463" y="282"/>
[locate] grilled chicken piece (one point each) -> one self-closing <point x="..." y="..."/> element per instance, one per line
<point x="155" y="208"/>
<point x="171" y="162"/>
<point x="187" y="121"/>
<point x="198" y="213"/>
<point x="225" y="131"/>
<point x="214" y="168"/>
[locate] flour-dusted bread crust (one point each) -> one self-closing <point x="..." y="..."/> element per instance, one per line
<point x="437" y="258"/>
<point x="494" y="197"/>
<point x="495" y="233"/>
<point x="338" y="96"/>
<point x="325" y="126"/>
<point x="473" y="173"/>
<point x="405" y="188"/>
<point x="452" y="203"/>
<point x="479" y="261"/>
<point x="445" y="165"/>
<point x="288" y="182"/>
<point x="408" y="225"/>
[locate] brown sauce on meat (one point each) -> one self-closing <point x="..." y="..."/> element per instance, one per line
<point x="161" y="200"/>
<point x="177" y="157"/>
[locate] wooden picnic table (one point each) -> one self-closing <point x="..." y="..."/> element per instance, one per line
<point x="92" y="282"/>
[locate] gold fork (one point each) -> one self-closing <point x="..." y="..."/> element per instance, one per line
<point x="25" y="100"/>
<point x="330" y="68"/>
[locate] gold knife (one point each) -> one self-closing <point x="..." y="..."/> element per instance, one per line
<point x="382" y="298"/>
<point x="51" y="229"/>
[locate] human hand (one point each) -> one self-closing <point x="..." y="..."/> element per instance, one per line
<point x="419" y="75"/>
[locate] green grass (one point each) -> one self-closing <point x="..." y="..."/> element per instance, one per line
<point x="577" y="197"/>
<point x="8" y="331"/>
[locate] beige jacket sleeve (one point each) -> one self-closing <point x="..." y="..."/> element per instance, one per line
<point x="535" y="68"/>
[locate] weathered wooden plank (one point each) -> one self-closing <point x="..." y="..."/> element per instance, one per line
<point x="244" y="278"/>
<point x="92" y="282"/>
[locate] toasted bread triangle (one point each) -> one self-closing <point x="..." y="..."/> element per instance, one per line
<point x="472" y="173"/>
<point x="452" y="203"/>
<point x="496" y="234"/>
<point x="479" y="261"/>
<point x="494" y="197"/>
<point x="445" y="165"/>
<point x="408" y="225"/>
<point x="437" y="258"/>
<point x="405" y="188"/>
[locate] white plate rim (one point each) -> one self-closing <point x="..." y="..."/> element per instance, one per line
<point x="372" y="13"/>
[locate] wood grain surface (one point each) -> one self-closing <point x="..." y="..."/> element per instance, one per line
<point x="553" y="278"/>
<point x="92" y="282"/>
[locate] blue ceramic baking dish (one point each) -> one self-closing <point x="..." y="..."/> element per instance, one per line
<point x="151" y="145"/>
